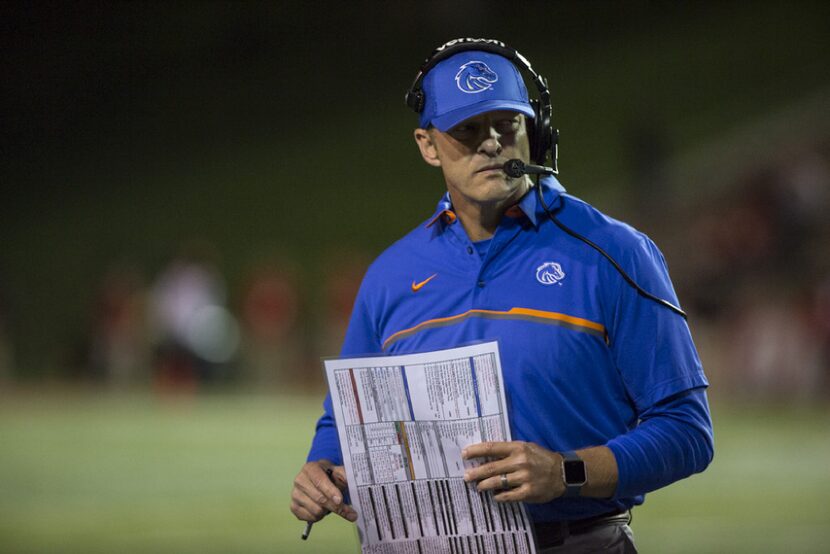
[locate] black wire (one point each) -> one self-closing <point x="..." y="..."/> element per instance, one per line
<point x="607" y="256"/>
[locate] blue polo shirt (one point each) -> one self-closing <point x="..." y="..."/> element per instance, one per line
<point x="586" y="360"/>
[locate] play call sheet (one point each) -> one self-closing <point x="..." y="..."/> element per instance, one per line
<point x="402" y="422"/>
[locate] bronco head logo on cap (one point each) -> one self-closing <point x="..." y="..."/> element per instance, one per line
<point x="475" y="76"/>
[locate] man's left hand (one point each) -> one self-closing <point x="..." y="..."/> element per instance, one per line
<point x="533" y="473"/>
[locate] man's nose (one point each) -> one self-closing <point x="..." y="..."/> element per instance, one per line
<point x="491" y="145"/>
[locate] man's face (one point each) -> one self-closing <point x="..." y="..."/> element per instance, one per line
<point x="472" y="153"/>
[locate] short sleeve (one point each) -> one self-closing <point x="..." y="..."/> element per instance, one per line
<point x="651" y="345"/>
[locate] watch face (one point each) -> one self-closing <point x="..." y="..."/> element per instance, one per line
<point x="575" y="472"/>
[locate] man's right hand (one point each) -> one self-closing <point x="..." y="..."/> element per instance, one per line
<point x="314" y="495"/>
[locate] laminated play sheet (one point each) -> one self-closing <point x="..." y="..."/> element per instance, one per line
<point x="403" y="421"/>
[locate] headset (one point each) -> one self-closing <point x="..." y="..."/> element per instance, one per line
<point x="543" y="138"/>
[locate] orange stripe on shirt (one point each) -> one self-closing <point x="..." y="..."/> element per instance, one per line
<point x="527" y="314"/>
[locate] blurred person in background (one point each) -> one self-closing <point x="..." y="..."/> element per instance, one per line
<point x="196" y="337"/>
<point x="605" y="390"/>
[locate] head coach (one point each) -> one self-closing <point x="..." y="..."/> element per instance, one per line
<point x="606" y="393"/>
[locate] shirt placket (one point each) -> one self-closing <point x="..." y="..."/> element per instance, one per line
<point x="504" y="235"/>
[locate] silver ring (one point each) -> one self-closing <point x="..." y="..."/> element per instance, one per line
<point x="504" y="483"/>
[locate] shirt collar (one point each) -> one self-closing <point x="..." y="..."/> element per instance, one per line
<point x="528" y="204"/>
<point x="443" y="212"/>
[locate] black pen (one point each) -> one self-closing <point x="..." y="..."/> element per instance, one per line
<point x="308" y="524"/>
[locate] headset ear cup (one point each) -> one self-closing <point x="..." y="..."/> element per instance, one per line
<point x="415" y="100"/>
<point x="532" y="131"/>
<point x="545" y="139"/>
<point x="539" y="133"/>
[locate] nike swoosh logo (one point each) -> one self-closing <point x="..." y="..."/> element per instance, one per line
<point x="417" y="286"/>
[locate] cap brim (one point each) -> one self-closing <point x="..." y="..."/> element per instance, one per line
<point x="451" y="119"/>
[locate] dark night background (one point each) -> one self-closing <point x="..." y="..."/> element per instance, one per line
<point x="128" y="128"/>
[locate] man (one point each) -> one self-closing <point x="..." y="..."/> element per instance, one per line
<point x="605" y="391"/>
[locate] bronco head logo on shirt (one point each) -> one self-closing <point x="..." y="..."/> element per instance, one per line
<point x="549" y="273"/>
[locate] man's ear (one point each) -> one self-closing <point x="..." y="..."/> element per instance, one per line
<point x="427" y="147"/>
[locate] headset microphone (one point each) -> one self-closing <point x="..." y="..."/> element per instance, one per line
<point x="516" y="168"/>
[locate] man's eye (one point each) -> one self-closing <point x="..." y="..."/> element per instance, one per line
<point x="510" y="126"/>
<point x="462" y="132"/>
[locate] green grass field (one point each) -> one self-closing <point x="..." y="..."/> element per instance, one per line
<point x="103" y="472"/>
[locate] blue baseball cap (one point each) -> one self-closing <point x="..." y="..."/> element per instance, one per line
<point x="470" y="83"/>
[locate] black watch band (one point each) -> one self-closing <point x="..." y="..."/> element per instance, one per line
<point x="574" y="474"/>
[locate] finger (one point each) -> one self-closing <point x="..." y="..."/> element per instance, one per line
<point x="513" y="495"/>
<point x="489" y="449"/>
<point x="348" y="513"/>
<point x="324" y="484"/>
<point x="315" y="483"/>
<point x="315" y="511"/>
<point x="311" y="506"/>
<point x="302" y="514"/>
<point x="491" y="484"/>
<point x="490" y="469"/>
<point x="338" y="476"/>
<point x="317" y="503"/>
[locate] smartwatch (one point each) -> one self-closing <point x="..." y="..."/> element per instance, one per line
<point x="574" y="474"/>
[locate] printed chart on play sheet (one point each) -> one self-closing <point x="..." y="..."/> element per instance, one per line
<point x="402" y="423"/>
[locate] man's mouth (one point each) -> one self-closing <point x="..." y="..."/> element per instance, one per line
<point x="491" y="167"/>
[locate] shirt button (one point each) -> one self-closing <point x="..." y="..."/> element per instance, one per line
<point x="481" y="284"/>
<point x="469" y="250"/>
